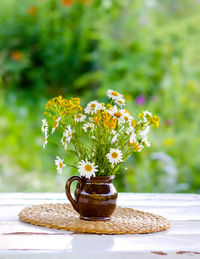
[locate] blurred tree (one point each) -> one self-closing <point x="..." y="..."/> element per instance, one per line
<point x="147" y="50"/>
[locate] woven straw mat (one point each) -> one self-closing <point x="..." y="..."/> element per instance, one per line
<point x="123" y="220"/>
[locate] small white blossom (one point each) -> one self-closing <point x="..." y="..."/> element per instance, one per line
<point x="88" y="126"/>
<point x="114" y="95"/>
<point x="44" y="127"/>
<point x="45" y="141"/>
<point x="126" y="117"/>
<point x="120" y="101"/>
<point x="143" y="135"/>
<point x="79" y="117"/>
<point x="87" y="169"/>
<point x="59" y="163"/>
<point x="93" y="107"/>
<point x="55" y="125"/>
<point x="116" y="113"/>
<point x="64" y="141"/>
<point x="68" y="133"/>
<point x="114" y="156"/>
<point x="146" y="113"/>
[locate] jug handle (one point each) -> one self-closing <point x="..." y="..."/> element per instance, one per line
<point x="68" y="192"/>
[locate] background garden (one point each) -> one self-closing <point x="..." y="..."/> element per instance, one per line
<point x="147" y="50"/>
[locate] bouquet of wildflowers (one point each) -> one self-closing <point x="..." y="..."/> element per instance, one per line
<point x="101" y="136"/>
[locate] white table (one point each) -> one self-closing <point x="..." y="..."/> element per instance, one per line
<point x="21" y="240"/>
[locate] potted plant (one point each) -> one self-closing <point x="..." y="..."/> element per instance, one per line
<point x="102" y="137"/>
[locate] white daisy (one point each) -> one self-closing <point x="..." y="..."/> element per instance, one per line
<point x="120" y="101"/>
<point x="64" y="141"/>
<point x="146" y="113"/>
<point x="93" y="107"/>
<point x="44" y="127"/>
<point x="68" y="133"/>
<point x="126" y="117"/>
<point x="114" y="95"/>
<point x="87" y="169"/>
<point x="45" y="141"/>
<point x="114" y="156"/>
<point x="60" y="164"/>
<point x="55" y="125"/>
<point x="116" y="113"/>
<point x="79" y="117"/>
<point x="88" y="126"/>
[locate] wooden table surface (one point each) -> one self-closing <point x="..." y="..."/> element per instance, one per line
<point x="22" y="240"/>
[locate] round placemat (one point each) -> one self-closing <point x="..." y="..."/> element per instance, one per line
<point x="123" y="220"/>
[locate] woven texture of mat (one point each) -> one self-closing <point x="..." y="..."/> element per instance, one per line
<point x="123" y="221"/>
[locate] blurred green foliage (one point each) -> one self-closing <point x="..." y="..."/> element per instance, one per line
<point x="145" y="49"/>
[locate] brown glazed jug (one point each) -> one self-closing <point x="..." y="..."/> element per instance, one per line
<point x="95" y="198"/>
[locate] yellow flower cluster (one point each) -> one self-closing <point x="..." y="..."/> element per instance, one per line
<point x="133" y="123"/>
<point x="153" y="120"/>
<point x="63" y="107"/>
<point x="54" y="102"/>
<point x="105" y="119"/>
<point x="109" y="106"/>
<point x="136" y="146"/>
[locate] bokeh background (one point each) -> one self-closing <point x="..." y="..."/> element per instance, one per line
<point x="148" y="50"/>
